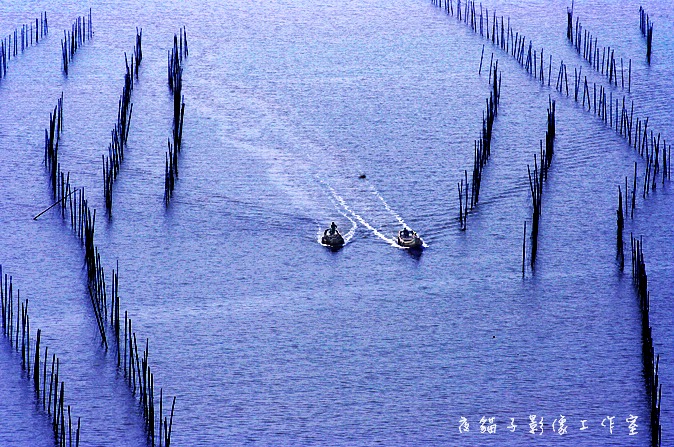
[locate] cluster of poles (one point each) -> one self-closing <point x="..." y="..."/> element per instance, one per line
<point x="52" y="136"/>
<point x="617" y="114"/>
<point x="651" y="362"/>
<point x="536" y="180"/>
<point x="652" y="152"/>
<point x="136" y="367"/>
<point x="646" y="27"/>
<point x="502" y="35"/>
<point x="482" y="149"/>
<point x="621" y="213"/>
<point x="28" y="35"/>
<point x="175" y="82"/>
<point x="597" y="99"/>
<point x="80" y="31"/>
<point x="120" y="132"/>
<point x="16" y="328"/>
<point x="586" y="45"/>
<point x="620" y="118"/>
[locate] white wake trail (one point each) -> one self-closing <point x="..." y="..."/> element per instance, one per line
<point x="293" y="154"/>
<point x="363" y="222"/>
<point x="388" y="208"/>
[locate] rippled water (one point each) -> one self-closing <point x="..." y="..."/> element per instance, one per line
<point x="266" y="337"/>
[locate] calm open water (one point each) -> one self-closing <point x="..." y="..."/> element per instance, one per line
<point x="266" y="337"/>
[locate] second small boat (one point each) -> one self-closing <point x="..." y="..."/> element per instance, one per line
<point x="409" y="239"/>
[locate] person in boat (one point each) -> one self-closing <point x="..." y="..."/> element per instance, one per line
<point x="406" y="233"/>
<point x="333" y="228"/>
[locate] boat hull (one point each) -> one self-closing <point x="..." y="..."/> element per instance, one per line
<point x="410" y="242"/>
<point x="333" y="240"/>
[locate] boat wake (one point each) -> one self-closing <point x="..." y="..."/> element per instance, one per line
<point x="359" y="218"/>
<point x="301" y="162"/>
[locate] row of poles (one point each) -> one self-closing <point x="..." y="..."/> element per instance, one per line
<point x="616" y="114"/>
<point x="651" y="361"/>
<point x="16" y="328"/>
<point x="600" y="102"/>
<point x="120" y="133"/>
<point x="52" y="135"/>
<point x="648" y="146"/>
<point x="83" y="222"/>
<point x="640" y="281"/>
<point x="80" y="31"/>
<point x="657" y="157"/>
<point x="587" y="46"/>
<point x="536" y="179"/>
<point x="621" y="119"/>
<point x="28" y="35"/>
<point x="136" y="366"/>
<point x="501" y="35"/>
<point x="482" y="149"/>
<point x="175" y="82"/>
<point x="514" y="44"/>
<point x="646" y="27"/>
<point x="82" y="219"/>
<point x="138" y="373"/>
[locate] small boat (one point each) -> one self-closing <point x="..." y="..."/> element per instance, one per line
<point x="409" y="239"/>
<point x="332" y="238"/>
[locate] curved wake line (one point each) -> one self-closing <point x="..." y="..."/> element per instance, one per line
<point x="341" y="201"/>
<point x="400" y="219"/>
<point x="349" y="235"/>
<point x="388" y="208"/>
<point x="313" y="155"/>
